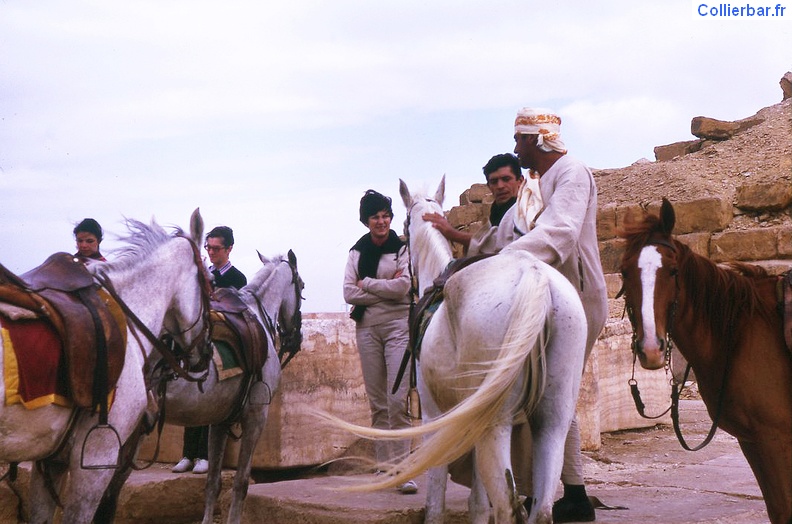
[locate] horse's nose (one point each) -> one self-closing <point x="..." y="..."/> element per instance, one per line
<point x="651" y="351"/>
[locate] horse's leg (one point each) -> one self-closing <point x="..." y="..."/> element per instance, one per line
<point x="217" y="443"/>
<point x="252" y="427"/>
<point x="493" y="459"/>
<point x="478" y="502"/>
<point x="436" y="482"/>
<point x="551" y="418"/>
<point x="105" y="513"/>
<point x="771" y="463"/>
<point x="436" y="478"/>
<point x="42" y="505"/>
<point x="83" y="493"/>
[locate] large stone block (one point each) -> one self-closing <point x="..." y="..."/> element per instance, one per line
<point x="606" y="222"/>
<point x="462" y="215"/>
<point x="785" y="241"/>
<point x="763" y="196"/>
<point x="705" y="127"/>
<point x="703" y="214"/>
<point x="697" y="242"/>
<point x="611" y="252"/>
<point x="677" y="149"/>
<point x="749" y="244"/>
<point x="615" y="362"/>
<point x="477" y="194"/>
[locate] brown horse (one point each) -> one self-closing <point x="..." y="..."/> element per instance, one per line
<point x="725" y="323"/>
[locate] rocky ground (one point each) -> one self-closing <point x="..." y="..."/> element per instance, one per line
<point x="643" y="475"/>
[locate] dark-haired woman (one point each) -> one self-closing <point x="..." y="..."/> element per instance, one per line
<point x="377" y="285"/>
<point x="88" y="235"/>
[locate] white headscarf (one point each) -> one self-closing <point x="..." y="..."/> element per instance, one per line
<point x="544" y="123"/>
<point x="529" y="204"/>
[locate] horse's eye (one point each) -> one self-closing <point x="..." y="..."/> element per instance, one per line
<point x="673" y="271"/>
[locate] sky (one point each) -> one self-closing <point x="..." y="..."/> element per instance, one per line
<point x="275" y="117"/>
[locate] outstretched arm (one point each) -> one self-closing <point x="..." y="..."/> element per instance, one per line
<point x="442" y="224"/>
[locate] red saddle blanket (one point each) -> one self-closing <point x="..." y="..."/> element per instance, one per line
<point x="33" y="364"/>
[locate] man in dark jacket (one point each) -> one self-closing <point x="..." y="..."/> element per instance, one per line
<point x="219" y="243"/>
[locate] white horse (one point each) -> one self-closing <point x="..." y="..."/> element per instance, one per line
<point x="159" y="278"/>
<point x="274" y="296"/>
<point x="508" y="337"/>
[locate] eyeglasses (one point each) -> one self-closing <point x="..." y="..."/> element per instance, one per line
<point x="213" y="249"/>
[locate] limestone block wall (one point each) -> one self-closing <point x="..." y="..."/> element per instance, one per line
<point x="324" y="375"/>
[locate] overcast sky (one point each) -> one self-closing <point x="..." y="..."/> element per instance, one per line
<point x="275" y="117"/>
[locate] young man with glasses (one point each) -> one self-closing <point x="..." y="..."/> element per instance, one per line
<point x="219" y="243"/>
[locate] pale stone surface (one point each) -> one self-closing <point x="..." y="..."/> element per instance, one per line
<point x="751" y="244"/>
<point x="758" y="196"/>
<point x="325" y="375"/>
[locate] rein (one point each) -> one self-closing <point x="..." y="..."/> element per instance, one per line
<point x="290" y="340"/>
<point x="409" y="352"/>
<point x="676" y="386"/>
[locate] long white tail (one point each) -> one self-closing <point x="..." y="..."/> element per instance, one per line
<point x="458" y="430"/>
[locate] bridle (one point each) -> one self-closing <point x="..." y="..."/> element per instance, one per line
<point x="290" y="340"/>
<point x="409" y="352"/>
<point x="676" y="386"/>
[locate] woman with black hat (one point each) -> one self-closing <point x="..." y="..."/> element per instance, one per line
<point x="377" y="285"/>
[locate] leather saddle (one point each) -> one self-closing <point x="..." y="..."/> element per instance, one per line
<point x="89" y="323"/>
<point x="234" y="323"/>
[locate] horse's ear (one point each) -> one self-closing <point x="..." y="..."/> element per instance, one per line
<point x="196" y="226"/>
<point x="264" y="260"/>
<point x="292" y="258"/>
<point x="667" y="217"/>
<point x="405" y="194"/>
<point x="440" y="193"/>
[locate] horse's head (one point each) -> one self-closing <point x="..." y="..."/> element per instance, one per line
<point x="430" y="252"/>
<point x="162" y="281"/>
<point x="649" y="272"/>
<point x="283" y="287"/>
<point x="187" y="322"/>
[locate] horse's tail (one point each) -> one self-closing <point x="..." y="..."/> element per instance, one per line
<point x="457" y="431"/>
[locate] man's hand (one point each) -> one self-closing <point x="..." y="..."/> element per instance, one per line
<point x="440" y="223"/>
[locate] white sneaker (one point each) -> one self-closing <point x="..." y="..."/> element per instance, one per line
<point x="409" y="488"/>
<point x="184" y="464"/>
<point x="201" y="466"/>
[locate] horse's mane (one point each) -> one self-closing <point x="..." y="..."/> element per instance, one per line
<point x="141" y="241"/>
<point x="259" y="280"/>
<point x="426" y="241"/>
<point x="725" y="295"/>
